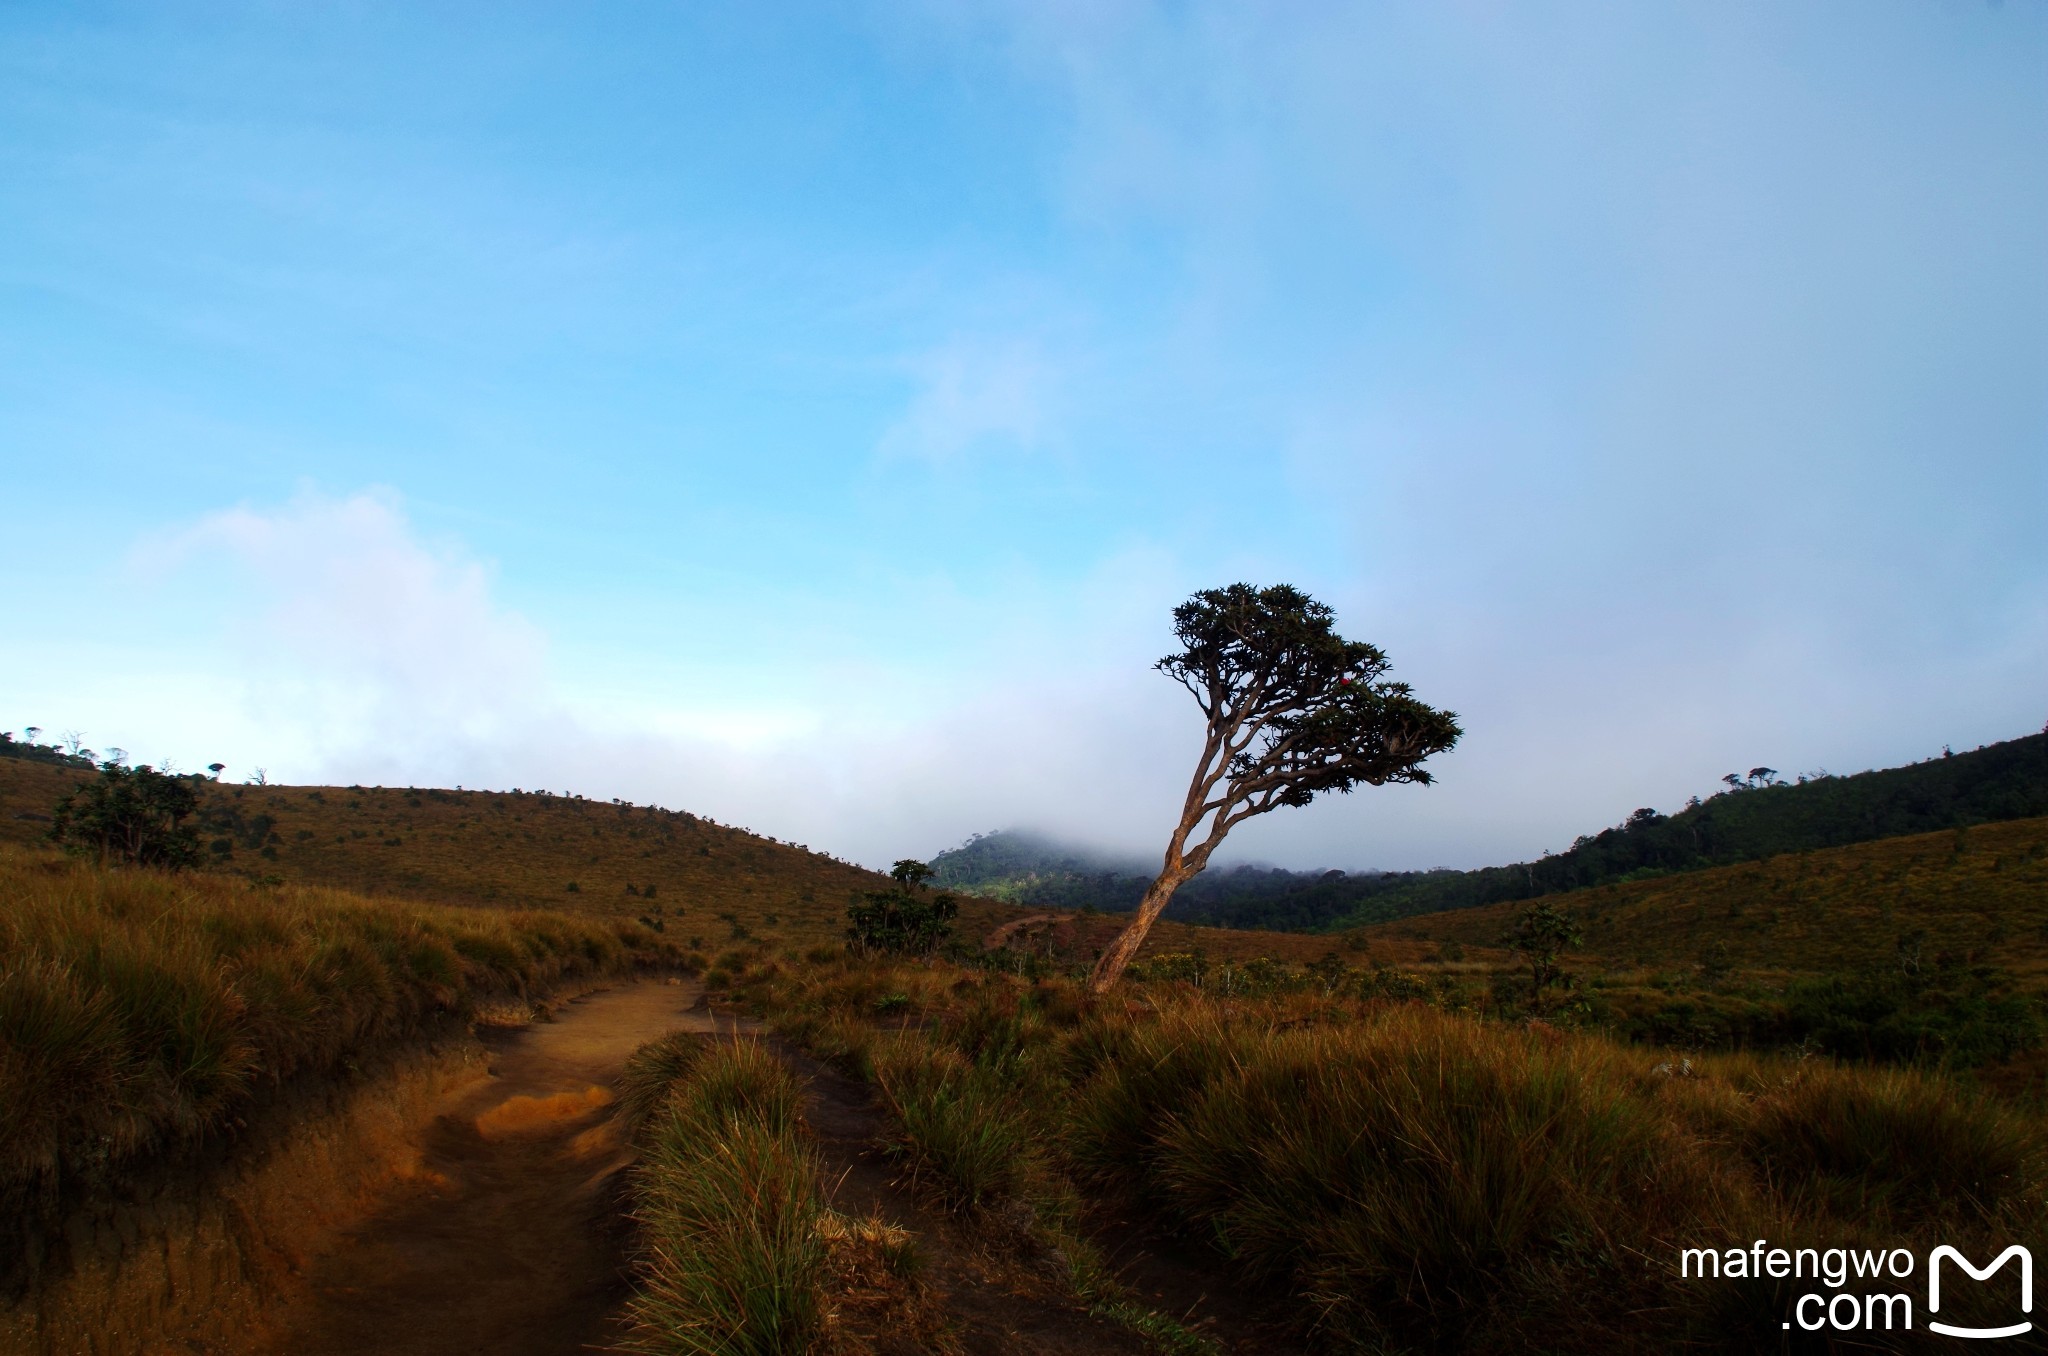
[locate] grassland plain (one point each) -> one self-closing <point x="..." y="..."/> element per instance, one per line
<point x="1411" y="1179"/>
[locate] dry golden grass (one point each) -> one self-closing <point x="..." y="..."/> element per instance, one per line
<point x="712" y="885"/>
<point x="1415" y="1179"/>
<point x="141" y="1011"/>
<point x="689" y="878"/>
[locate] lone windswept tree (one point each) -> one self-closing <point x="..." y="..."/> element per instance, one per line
<point x="1293" y="710"/>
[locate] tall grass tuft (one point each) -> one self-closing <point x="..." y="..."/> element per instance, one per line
<point x="1419" y="1174"/>
<point x="730" y="1203"/>
<point x="652" y="1071"/>
<point x="1892" y="1146"/>
<point x="961" y="1128"/>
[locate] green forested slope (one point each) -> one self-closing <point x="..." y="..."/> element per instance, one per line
<point x="1763" y="818"/>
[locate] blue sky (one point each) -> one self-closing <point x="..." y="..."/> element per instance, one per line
<point x="811" y="414"/>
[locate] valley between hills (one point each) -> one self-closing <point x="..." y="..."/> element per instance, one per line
<point x="620" y="1066"/>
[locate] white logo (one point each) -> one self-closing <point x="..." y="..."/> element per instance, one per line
<point x="2026" y="1289"/>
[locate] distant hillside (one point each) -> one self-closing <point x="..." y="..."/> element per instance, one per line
<point x="698" y="879"/>
<point x="1761" y="819"/>
<point x="1029" y="868"/>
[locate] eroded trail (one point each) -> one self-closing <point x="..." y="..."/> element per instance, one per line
<point x="511" y="1240"/>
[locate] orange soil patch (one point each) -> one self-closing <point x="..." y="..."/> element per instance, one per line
<point x="538" y="1113"/>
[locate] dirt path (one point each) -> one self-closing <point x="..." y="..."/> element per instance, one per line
<point x="511" y="1241"/>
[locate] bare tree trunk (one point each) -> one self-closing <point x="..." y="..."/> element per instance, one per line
<point x="1111" y="967"/>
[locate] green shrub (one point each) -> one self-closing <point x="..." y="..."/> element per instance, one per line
<point x="130" y="815"/>
<point x="898" y="921"/>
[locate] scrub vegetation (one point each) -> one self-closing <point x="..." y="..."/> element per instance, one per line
<point x="1413" y="1179"/>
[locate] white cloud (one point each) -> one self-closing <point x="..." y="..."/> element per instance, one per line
<point x="974" y="394"/>
<point x="339" y="625"/>
<point x="328" y="641"/>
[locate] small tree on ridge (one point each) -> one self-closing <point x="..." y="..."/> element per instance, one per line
<point x="908" y="920"/>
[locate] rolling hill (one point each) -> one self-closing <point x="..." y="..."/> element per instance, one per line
<point x="704" y="884"/>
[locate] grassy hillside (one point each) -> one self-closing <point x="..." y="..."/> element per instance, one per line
<point x="513" y="850"/>
<point x="1931" y="947"/>
<point x="1927" y="947"/>
<point x="1976" y="896"/>
<point x="1994" y="784"/>
<point x="703" y="885"/>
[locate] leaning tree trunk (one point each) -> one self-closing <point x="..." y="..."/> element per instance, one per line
<point x="1110" y="968"/>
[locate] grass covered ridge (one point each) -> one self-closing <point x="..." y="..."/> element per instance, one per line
<point x="1977" y="895"/>
<point x="686" y="876"/>
<point x="707" y="886"/>
<point x="141" y="1011"/>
